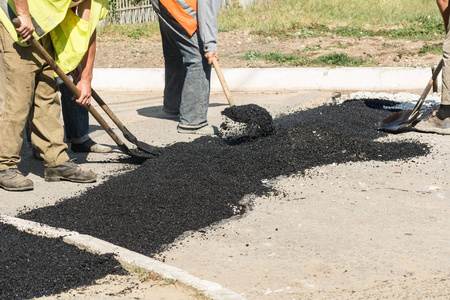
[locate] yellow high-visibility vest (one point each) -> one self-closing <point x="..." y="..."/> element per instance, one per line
<point x="184" y="12"/>
<point x="70" y="34"/>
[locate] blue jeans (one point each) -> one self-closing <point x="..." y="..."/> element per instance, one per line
<point x="75" y="116"/>
<point x="187" y="76"/>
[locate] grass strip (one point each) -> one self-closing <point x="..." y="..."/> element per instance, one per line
<point x="295" y="60"/>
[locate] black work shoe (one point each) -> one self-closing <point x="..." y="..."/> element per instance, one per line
<point x="13" y="180"/>
<point x="69" y="171"/>
<point x="171" y="112"/>
<point x="90" y="146"/>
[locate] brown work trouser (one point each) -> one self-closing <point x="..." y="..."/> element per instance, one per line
<point x="446" y="71"/>
<point x="28" y="90"/>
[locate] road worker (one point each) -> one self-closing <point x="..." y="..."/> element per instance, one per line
<point x="188" y="31"/>
<point x="28" y="88"/>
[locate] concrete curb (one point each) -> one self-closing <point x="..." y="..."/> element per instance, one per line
<point x="272" y="79"/>
<point x="97" y="246"/>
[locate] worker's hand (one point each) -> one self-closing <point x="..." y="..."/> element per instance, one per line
<point x="85" y="98"/>
<point x="209" y="56"/>
<point x="26" y="28"/>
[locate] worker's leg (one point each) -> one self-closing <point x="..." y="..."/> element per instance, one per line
<point x="75" y="116"/>
<point x="76" y="123"/>
<point x="47" y="133"/>
<point x="444" y="109"/>
<point x="17" y="79"/>
<point x="189" y="76"/>
<point x="439" y="121"/>
<point x="196" y="88"/>
<point x="16" y="91"/>
<point x="174" y="71"/>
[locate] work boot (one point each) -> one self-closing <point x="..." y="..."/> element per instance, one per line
<point x="90" y="146"/>
<point x="432" y="123"/>
<point x="69" y="171"/>
<point x="13" y="180"/>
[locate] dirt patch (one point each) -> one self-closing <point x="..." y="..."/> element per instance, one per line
<point x="115" y="52"/>
<point x="135" y="286"/>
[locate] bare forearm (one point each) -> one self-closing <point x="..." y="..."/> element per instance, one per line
<point x="444" y="9"/>
<point x="87" y="64"/>
<point x="21" y="8"/>
<point x="26" y="28"/>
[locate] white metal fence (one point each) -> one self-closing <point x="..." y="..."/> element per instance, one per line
<point x="141" y="11"/>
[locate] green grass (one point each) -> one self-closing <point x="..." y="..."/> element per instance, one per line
<point x="434" y="49"/>
<point x="396" y="19"/>
<point x="423" y="28"/>
<point x="347" y="17"/>
<point x="294" y="60"/>
<point x="391" y="19"/>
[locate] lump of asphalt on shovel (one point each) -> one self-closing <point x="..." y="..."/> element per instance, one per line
<point x="245" y="122"/>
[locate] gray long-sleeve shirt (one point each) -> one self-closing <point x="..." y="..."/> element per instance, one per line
<point x="207" y="23"/>
<point x="207" y="11"/>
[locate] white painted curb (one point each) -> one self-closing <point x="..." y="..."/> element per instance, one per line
<point x="97" y="246"/>
<point x="273" y="79"/>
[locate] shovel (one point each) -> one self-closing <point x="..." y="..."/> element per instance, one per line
<point x="148" y="150"/>
<point x="225" y="88"/>
<point x="403" y="118"/>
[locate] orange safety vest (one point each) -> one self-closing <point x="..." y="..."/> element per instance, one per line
<point x="184" y="12"/>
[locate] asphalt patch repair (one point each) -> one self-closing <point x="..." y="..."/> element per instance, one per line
<point x="33" y="266"/>
<point x="192" y="186"/>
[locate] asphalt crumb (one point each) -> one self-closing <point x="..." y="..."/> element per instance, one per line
<point x="246" y="122"/>
<point x="193" y="185"/>
<point x="33" y="266"/>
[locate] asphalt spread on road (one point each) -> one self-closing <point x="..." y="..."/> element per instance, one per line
<point x="192" y="186"/>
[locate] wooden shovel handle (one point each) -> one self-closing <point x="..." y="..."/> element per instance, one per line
<point x="427" y="88"/>
<point x="71" y="86"/>
<point x="225" y="88"/>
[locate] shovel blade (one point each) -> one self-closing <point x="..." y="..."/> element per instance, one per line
<point x="148" y="148"/>
<point x="398" y="120"/>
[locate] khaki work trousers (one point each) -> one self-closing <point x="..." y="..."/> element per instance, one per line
<point x="28" y="91"/>
<point x="445" y="100"/>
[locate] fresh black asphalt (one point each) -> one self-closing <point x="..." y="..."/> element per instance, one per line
<point x="33" y="266"/>
<point x="191" y="186"/>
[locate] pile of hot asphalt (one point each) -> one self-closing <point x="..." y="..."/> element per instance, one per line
<point x="246" y="122"/>
<point x="193" y="185"/>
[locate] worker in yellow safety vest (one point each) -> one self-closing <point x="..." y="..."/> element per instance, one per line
<point x="28" y="88"/>
<point x="188" y="31"/>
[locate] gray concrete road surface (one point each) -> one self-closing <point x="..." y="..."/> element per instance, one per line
<point x="358" y="230"/>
